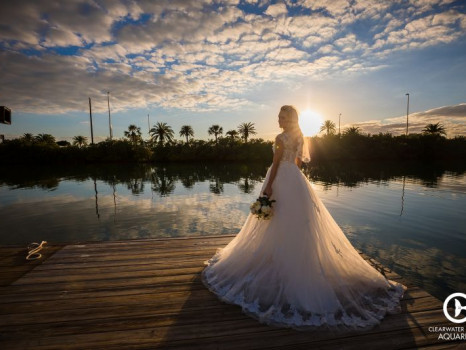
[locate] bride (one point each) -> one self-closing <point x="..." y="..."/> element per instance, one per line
<point x="298" y="269"/>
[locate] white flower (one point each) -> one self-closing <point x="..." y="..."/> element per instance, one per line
<point x="266" y="209"/>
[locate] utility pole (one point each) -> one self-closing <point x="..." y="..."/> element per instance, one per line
<point x="90" y="116"/>
<point x="109" y="117"/>
<point x="407" y="114"/>
<point x="148" y="124"/>
<point x="339" y="125"/>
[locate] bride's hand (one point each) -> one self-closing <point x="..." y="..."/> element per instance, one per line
<point x="268" y="191"/>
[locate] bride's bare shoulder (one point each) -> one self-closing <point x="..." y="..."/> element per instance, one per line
<point x="280" y="135"/>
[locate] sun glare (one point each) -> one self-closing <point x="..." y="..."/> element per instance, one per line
<point x="310" y="122"/>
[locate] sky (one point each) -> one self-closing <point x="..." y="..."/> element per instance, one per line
<point x="226" y="62"/>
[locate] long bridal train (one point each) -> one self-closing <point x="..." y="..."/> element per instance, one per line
<point x="298" y="269"/>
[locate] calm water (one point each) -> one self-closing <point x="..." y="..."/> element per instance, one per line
<point x="410" y="217"/>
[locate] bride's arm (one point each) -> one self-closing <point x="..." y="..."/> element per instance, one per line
<point x="273" y="172"/>
<point x="298" y="162"/>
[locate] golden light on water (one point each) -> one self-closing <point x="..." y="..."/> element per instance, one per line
<point x="310" y="122"/>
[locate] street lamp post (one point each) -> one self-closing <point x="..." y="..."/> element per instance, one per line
<point x="90" y="117"/>
<point x="109" y="117"/>
<point x="407" y="114"/>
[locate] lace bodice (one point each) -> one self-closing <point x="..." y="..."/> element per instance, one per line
<point x="292" y="148"/>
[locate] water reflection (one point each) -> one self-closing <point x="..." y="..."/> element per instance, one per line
<point x="162" y="183"/>
<point x="438" y="271"/>
<point x="409" y="216"/>
<point x="163" y="178"/>
<point x="246" y="185"/>
<point x="355" y="174"/>
<point x="403" y="195"/>
<point x="96" y="199"/>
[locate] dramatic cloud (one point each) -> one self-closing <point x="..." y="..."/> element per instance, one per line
<point x="453" y="118"/>
<point x="199" y="55"/>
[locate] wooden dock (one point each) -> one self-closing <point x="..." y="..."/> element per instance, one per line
<point x="147" y="294"/>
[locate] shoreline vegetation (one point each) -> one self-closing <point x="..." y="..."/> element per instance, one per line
<point x="236" y="146"/>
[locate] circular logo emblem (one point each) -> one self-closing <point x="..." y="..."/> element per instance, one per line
<point x="460" y="304"/>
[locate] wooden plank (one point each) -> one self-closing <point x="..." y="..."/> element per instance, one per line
<point x="70" y="251"/>
<point x="393" y="339"/>
<point x="130" y="257"/>
<point x="95" y="271"/>
<point x="48" y="311"/>
<point x="109" y="275"/>
<point x="151" y="300"/>
<point x="119" y="274"/>
<point x="162" y="266"/>
<point x="222" y="239"/>
<point x="90" y="268"/>
<point x="146" y="293"/>
<point x="171" y="299"/>
<point x="442" y="346"/>
<point x="156" y="330"/>
<point x="58" y="295"/>
<point x="133" y="280"/>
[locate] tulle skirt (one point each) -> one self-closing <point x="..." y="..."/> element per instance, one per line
<point x="298" y="269"/>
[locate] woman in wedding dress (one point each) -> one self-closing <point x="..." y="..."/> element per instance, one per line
<point x="298" y="269"/>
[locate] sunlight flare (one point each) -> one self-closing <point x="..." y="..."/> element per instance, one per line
<point x="310" y="122"/>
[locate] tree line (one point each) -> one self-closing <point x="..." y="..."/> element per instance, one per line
<point x="162" y="133"/>
<point x="330" y="128"/>
<point x="236" y="145"/>
<point x="353" y="144"/>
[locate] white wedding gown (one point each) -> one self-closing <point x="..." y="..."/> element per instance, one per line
<point x="298" y="269"/>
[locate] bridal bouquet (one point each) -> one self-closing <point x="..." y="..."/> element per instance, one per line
<point x="262" y="208"/>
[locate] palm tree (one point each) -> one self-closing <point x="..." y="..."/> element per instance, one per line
<point x="434" y="129"/>
<point x="246" y="129"/>
<point x="161" y="132"/>
<point x="28" y="137"/>
<point x="162" y="183"/>
<point x="45" y="138"/>
<point x="329" y="127"/>
<point x="79" y="141"/>
<point x="352" y="130"/>
<point x="134" y="134"/>
<point x="233" y="134"/>
<point x="215" y="130"/>
<point x="187" y="130"/>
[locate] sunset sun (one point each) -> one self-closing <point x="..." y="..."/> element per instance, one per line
<point x="310" y="122"/>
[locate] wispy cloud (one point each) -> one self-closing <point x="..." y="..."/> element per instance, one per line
<point x="200" y="55"/>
